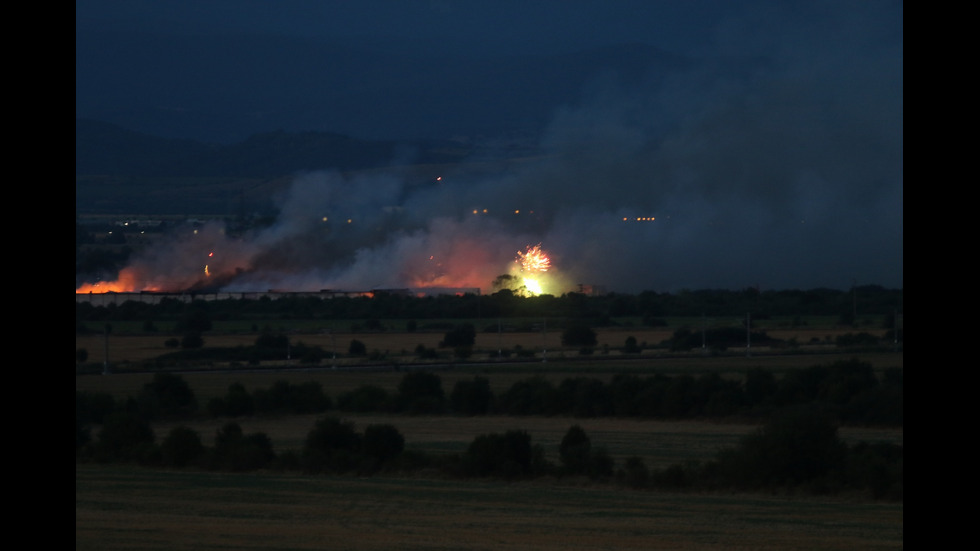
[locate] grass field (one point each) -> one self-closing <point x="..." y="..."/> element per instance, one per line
<point x="140" y="509"/>
<point x="119" y="507"/>
<point x="127" y="344"/>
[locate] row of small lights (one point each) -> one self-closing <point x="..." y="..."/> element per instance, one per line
<point x="484" y="211"/>
<point x="640" y="219"/>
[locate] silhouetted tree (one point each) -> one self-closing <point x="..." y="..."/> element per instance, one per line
<point x="357" y="348"/>
<point x="421" y="392"/>
<point x="471" y="397"/>
<point x="575" y="450"/>
<point x="578" y="335"/>
<point x="181" y="447"/>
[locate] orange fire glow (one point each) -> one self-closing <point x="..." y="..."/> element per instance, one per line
<point x="129" y="281"/>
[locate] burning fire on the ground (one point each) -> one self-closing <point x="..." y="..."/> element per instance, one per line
<point x="462" y="262"/>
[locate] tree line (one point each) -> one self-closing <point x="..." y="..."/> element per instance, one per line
<point x="598" y="310"/>
<point x="850" y="390"/>
<point x="798" y="450"/>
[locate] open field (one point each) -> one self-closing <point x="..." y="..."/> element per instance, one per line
<point x="121" y="507"/>
<point x="121" y="347"/>
<point x="142" y="509"/>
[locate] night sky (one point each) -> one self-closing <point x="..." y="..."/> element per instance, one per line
<point x="765" y="138"/>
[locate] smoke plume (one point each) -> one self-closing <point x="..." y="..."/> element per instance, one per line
<point x="775" y="160"/>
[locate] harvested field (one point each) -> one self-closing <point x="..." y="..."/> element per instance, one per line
<point x="134" y="509"/>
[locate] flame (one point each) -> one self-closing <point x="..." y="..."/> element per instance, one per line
<point x="129" y="281"/>
<point x="534" y="260"/>
<point x="533" y="286"/>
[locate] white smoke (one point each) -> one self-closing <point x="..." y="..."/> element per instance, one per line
<point x="775" y="161"/>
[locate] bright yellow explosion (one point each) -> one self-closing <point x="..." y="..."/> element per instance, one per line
<point x="534" y="262"/>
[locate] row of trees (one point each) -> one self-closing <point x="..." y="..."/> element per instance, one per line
<point x="850" y="389"/>
<point x="650" y="306"/>
<point x="799" y="451"/>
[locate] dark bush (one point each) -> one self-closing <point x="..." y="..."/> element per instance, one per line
<point x="192" y="341"/>
<point x="631" y="347"/>
<point x="426" y="353"/>
<point x="856" y="340"/>
<point x="93" y="407"/>
<point x="382" y="443"/>
<point x="575" y="451"/>
<point x="461" y="335"/>
<point x="236" y="402"/>
<point x="579" y="335"/>
<point x="421" y="392"/>
<point x="634" y="473"/>
<point x="365" y="398"/>
<point x="269" y="340"/>
<point x="181" y="447"/>
<point x="124" y="437"/>
<point x="331" y="446"/>
<point x="234" y="451"/>
<point x="507" y="455"/>
<point x="471" y="397"/>
<point x="799" y="445"/>
<point x="286" y="397"/>
<point x="357" y="348"/>
<point x="534" y="396"/>
<point x="168" y="395"/>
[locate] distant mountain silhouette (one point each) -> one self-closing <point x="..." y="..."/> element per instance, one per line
<point x="105" y="149"/>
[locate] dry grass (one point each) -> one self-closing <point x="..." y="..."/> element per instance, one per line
<point x="121" y="508"/>
<point x="118" y="507"/>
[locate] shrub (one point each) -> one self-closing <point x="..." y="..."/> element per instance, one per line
<point x="181" y="447"/>
<point x="856" y="339"/>
<point x="167" y="395"/>
<point x="382" y="443"/>
<point x="234" y="451"/>
<point x="459" y="336"/>
<point x="426" y="353"/>
<point x="508" y="455"/>
<point x="357" y="348"/>
<point x="635" y="473"/>
<point x="630" y="347"/>
<point x="421" y="392"/>
<point x="578" y="335"/>
<point x="123" y="435"/>
<point x="286" y="397"/>
<point x="471" y="397"/>
<point x="192" y="340"/>
<point x="331" y="446"/>
<point x="575" y="451"/>
<point x="797" y="446"/>
<point x="365" y="398"/>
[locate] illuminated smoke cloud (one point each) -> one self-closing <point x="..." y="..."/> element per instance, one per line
<point x="783" y="171"/>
